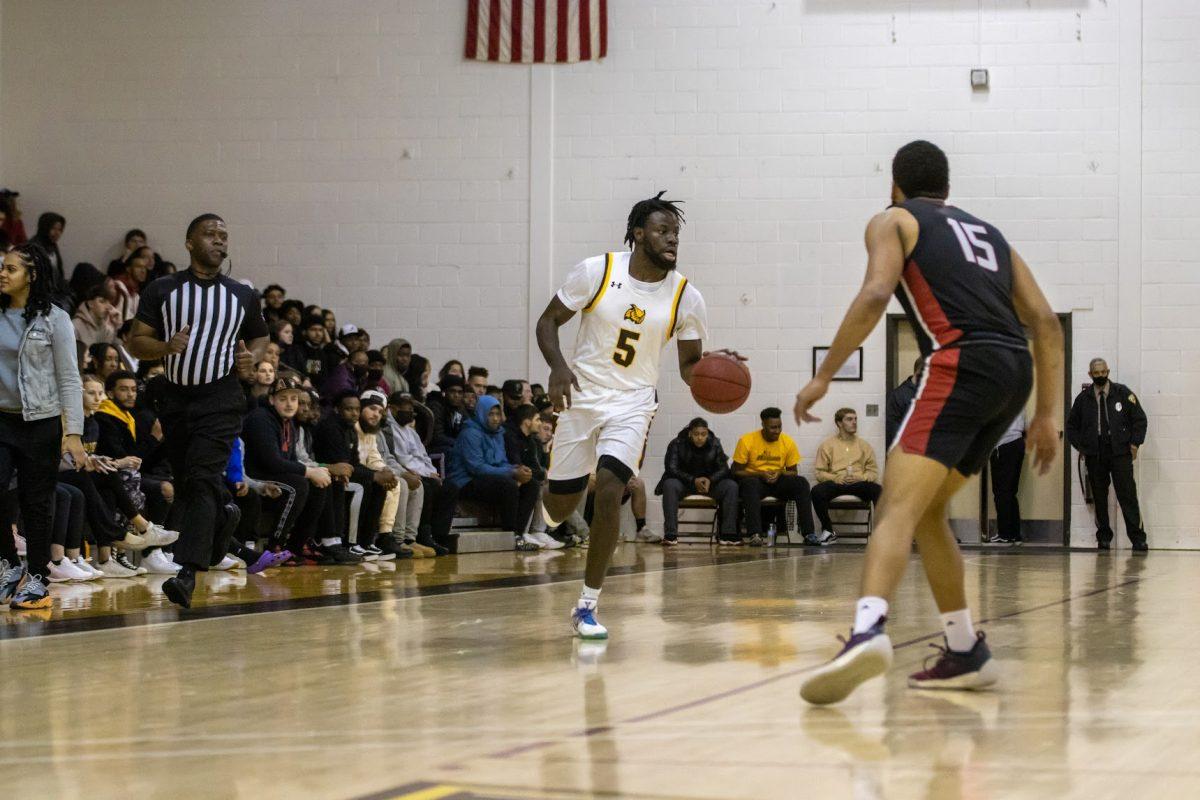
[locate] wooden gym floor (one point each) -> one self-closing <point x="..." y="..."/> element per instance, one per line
<point x="457" y="678"/>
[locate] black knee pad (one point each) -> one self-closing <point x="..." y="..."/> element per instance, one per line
<point x="616" y="467"/>
<point x="571" y="486"/>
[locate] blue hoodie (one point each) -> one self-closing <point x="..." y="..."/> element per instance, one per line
<point x="478" y="450"/>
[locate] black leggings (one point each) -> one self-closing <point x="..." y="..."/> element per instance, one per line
<point x="68" y="517"/>
<point x="101" y="494"/>
<point x="30" y="450"/>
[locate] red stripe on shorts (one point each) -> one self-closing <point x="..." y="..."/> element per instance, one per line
<point x="943" y="374"/>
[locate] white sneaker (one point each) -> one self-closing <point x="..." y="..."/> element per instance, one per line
<point x="649" y="535"/>
<point x="160" y="563"/>
<point x="363" y="553"/>
<point x="132" y="541"/>
<point x="584" y="624"/>
<point x="65" y="571"/>
<point x="379" y="554"/>
<point x="526" y="544"/>
<point x="238" y="562"/>
<point x="157" y="536"/>
<point x="115" y="569"/>
<point x="87" y="567"/>
<point x="545" y="540"/>
<point x="124" y="561"/>
<point x="826" y="537"/>
<point x="227" y="563"/>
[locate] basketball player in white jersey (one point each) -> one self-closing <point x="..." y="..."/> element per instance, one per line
<point x="633" y="304"/>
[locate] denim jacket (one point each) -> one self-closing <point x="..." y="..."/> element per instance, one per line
<point x="48" y="371"/>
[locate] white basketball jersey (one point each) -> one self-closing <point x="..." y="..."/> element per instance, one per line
<point x="626" y="323"/>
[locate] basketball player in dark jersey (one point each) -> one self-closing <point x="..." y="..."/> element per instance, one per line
<point x="967" y="294"/>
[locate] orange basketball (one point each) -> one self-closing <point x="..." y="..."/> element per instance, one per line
<point x="720" y="384"/>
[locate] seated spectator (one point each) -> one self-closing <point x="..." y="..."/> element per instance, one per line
<point x="348" y="377"/>
<point x="477" y="380"/>
<point x="439" y="497"/>
<point x="130" y="280"/>
<point x="95" y="319"/>
<point x="400" y="522"/>
<point x="387" y="483"/>
<point x="134" y="238"/>
<point x="765" y="465"/>
<point x="845" y="466"/>
<point x="282" y="333"/>
<point x="375" y="380"/>
<point x="396" y="354"/>
<point x="108" y="504"/>
<point x="494" y="392"/>
<point x="292" y="311"/>
<point x="522" y="446"/>
<point x="449" y="417"/>
<point x="480" y="470"/>
<point x="102" y="360"/>
<point x="696" y="464"/>
<point x="127" y="359"/>
<point x="273" y="297"/>
<point x="452" y="367"/>
<point x="264" y="380"/>
<point x="417" y="377"/>
<point x="336" y="443"/>
<point x="84" y="277"/>
<point x="312" y="354"/>
<point x="242" y="515"/>
<point x="331" y="325"/>
<point x="50" y="227"/>
<point x="515" y="393"/>
<point x="273" y="355"/>
<point x="273" y="439"/>
<point x="352" y="339"/>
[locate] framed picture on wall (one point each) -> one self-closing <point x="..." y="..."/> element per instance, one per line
<point x="852" y="370"/>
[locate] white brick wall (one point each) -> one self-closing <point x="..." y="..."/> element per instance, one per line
<point x="364" y="164"/>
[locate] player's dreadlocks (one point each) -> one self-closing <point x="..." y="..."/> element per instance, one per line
<point x="643" y="209"/>
<point x="41" y="280"/>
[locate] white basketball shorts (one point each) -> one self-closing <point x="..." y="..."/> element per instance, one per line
<point x="602" y="422"/>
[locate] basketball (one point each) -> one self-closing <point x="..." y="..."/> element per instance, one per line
<point x="720" y="384"/>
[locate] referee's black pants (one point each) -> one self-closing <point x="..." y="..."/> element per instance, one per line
<point x="1117" y="469"/>
<point x="199" y="425"/>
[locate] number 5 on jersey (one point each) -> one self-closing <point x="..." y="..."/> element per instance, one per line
<point x="624" y="354"/>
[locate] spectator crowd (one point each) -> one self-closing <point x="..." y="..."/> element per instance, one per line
<point x="352" y="452"/>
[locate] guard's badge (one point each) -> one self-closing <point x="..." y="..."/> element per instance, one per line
<point x="635" y="315"/>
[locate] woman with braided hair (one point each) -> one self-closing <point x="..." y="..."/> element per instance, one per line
<point x="39" y="389"/>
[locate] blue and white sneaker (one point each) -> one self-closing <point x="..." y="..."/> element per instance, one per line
<point x="583" y="623"/>
<point x="863" y="656"/>
<point x="10" y="579"/>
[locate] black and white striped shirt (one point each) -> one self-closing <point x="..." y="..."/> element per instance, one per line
<point x="220" y="310"/>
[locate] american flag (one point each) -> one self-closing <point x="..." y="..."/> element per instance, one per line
<point x="532" y="31"/>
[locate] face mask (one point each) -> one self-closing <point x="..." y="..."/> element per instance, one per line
<point x="374" y="374"/>
<point x="359" y="371"/>
<point x="1100" y="380"/>
<point x="405" y="418"/>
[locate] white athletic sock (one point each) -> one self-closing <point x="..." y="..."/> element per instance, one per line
<point x="960" y="633"/>
<point x="868" y="612"/>
<point x="589" y="597"/>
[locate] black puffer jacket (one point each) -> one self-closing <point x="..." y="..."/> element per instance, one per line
<point x="685" y="462"/>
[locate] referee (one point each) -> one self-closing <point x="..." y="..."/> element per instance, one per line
<point x="209" y="330"/>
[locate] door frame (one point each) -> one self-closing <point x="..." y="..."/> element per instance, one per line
<point x="893" y="325"/>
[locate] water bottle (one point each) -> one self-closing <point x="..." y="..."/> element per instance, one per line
<point x="771" y="535"/>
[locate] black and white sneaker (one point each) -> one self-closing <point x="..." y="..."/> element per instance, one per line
<point x="363" y="553"/>
<point x="379" y="553"/>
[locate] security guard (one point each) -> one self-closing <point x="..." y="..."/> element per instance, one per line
<point x="1107" y="425"/>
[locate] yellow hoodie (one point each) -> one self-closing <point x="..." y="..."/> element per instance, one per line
<point x="107" y="406"/>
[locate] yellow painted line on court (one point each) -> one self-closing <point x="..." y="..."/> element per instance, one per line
<point x="432" y="793"/>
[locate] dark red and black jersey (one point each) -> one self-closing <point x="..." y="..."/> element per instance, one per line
<point x="957" y="285"/>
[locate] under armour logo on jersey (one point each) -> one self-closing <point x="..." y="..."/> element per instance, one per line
<point x="635" y="315"/>
<point x="614" y="285"/>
